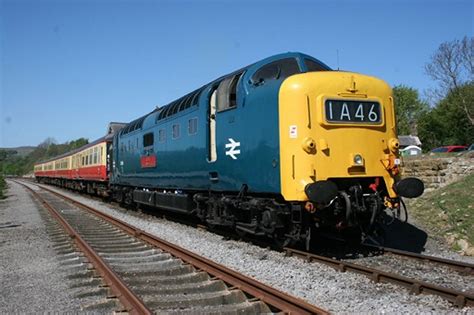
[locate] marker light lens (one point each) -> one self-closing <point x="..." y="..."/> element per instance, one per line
<point x="358" y="160"/>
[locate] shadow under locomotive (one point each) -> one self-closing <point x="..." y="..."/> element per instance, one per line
<point x="398" y="235"/>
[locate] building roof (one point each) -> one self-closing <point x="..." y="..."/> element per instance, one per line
<point x="409" y="140"/>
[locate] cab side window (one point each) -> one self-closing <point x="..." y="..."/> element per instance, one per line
<point x="276" y="70"/>
<point x="314" y="66"/>
<point x="227" y="93"/>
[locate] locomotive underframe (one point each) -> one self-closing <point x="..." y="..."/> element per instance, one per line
<point x="357" y="206"/>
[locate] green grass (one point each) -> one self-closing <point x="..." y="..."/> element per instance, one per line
<point x="448" y="210"/>
<point x="3" y="187"/>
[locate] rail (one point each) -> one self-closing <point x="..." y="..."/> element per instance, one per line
<point x="457" y="297"/>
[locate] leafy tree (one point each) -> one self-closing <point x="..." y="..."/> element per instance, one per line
<point x="78" y="143"/>
<point x="409" y="108"/>
<point x="447" y="123"/>
<point x="452" y="67"/>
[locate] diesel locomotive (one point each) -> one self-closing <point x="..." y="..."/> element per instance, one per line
<point x="280" y="149"/>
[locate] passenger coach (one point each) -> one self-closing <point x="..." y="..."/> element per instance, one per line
<point x="84" y="169"/>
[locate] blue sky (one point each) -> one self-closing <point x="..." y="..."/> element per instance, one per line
<point x="68" y="68"/>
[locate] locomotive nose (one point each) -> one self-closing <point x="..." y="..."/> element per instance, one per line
<point x="335" y="127"/>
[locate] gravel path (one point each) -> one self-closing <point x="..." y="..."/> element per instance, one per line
<point x="28" y="261"/>
<point x="41" y="271"/>
<point x="320" y="285"/>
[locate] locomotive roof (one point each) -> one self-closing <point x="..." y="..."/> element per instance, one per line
<point x="191" y="99"/>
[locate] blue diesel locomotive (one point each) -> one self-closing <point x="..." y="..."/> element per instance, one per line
<point x="276" y="149"/>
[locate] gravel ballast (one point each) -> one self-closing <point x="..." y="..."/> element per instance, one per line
<point x="315" y="283"/>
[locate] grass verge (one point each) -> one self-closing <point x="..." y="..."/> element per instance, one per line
<point x="448" y="212"/>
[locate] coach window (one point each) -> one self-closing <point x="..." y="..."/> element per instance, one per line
<point x="175" y="131"/>
<point x="227" y="93"/>
<point x="276" y="70"/>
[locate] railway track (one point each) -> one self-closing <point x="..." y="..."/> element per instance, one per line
<point x="461" y="267"/>
<point x="383" y="273"/>
<point x="147" y="274"/>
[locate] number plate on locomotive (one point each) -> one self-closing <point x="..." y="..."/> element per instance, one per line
<point x="352" y="111"/>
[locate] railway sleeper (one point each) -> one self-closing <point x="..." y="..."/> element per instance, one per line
<point x="194" y="300"/>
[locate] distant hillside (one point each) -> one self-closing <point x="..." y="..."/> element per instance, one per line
<point x="21" y="151"/>
<point x="20" y="161"/>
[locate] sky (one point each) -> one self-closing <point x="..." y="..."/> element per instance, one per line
<point x="68" y="68"/>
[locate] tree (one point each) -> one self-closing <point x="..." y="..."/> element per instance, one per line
<point x="447" y="123"/>
<point x="78" y="143"/>
<point x="452" y="66"/>
<point x="408" y="108"/>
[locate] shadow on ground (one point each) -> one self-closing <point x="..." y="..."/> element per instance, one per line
<point x="399" y="235"/>
<point x="405" y="236"/>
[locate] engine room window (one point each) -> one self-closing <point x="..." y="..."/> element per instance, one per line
<point x="148" y="139"/>
<point x="161" y="135"/>
<point x="276" y="70"/>
<point x="175" y="131"/>
<point x="314" y="66"/>
<point x="192" y="126"/>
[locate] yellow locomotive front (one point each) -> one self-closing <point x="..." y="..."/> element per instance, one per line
<point x="339" y="148"/>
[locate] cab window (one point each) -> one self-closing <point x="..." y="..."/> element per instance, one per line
<point x="314" y="66"/>
<point x="276" y="70"/>
<point x="227" y="93"/>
